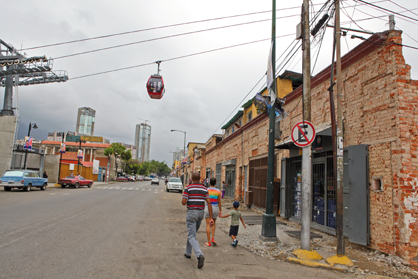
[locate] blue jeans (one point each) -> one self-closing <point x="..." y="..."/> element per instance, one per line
<point x="193" y="221"/>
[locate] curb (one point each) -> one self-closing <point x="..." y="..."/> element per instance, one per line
<point x="311" y="263"/>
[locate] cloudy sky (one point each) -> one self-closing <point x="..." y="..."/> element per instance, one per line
<point x="202" y="91"/>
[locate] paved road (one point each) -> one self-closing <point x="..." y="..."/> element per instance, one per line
<point x="122" y="230"/>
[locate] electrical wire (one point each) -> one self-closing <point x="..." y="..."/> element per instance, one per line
<point x="370" y="4"/>
<point x="382" y="44"/>
<point x="162" y="27"/>
<point x="408" y="10"/>
<point x="166" y="37"/>
<point x="179" y="57"/>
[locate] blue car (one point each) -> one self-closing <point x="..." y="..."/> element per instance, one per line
<point x="22" y="179"/>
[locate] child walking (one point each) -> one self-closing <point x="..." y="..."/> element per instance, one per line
<point x="235" y="217"/>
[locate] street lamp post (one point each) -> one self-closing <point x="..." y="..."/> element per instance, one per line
<point x="184" y="152"/>
<point x="26" y="152"/>
<point x="61" y="151"/>
<point x="80" y="141"/>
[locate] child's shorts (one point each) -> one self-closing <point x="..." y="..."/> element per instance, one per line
<point x="233" y="230"/>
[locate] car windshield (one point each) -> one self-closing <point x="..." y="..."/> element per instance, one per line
<point x="175" y="179"/>
<point x="70" y="177"/>
<point x="13" y="173"/>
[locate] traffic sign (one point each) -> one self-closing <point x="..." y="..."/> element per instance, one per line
<point x="303" y="133"/>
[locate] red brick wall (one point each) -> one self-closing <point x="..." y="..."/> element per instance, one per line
<point x="380" y="110"/>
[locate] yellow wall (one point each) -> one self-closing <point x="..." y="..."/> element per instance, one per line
<point x="190" y="149"/>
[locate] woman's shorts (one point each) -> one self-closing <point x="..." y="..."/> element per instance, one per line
<point x="215" y="211"/>
<point x="233" y="230"/>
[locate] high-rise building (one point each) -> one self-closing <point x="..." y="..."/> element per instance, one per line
<point x="142" y="142"/>
<point x="85" y="121"/>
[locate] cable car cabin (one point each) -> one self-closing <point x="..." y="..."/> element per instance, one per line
<point x="155" y="87"/>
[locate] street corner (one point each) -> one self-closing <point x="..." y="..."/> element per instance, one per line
<point x="341" y="260"/>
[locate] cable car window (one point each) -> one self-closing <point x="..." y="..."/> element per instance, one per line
<point x="155" y="85"/>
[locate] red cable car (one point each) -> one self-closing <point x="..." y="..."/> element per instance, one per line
<point x="155" y="85"/>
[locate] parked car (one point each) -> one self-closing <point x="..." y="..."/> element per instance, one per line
<point x="122" y="178"/>
<point x="155" y="181"/>
<point x="130" y="178"/>
<point x="174" y="183"/>
<point x="75" y="181"/>
<point x="22" y="179"/>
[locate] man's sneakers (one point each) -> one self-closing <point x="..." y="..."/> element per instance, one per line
<point x="200" y="261"/>
<point x="235" y="243"/>
<point x="187" y="256"/>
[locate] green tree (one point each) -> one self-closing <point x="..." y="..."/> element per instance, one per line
<point x="115" y="149"/>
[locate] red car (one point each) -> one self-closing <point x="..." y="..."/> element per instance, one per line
<point x="75" y="181"/>
<point x="122" y="178"/>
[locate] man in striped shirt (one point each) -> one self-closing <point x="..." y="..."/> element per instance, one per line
<point x="195" y="196"/>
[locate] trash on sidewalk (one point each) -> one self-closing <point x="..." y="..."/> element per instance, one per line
<point x="366" y="261"/>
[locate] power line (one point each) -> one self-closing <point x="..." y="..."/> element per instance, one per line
<point x="386" y="10"/>
<point x="166" y="37"/>
<point x="159" y="27"/>
<point x="179" y="57"/>
<point x="408" y="10"/>
<point x="162" y="27"/>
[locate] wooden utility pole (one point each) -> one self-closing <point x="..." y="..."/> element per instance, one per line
<point x="306" y="211"/>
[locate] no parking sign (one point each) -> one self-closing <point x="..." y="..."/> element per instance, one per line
<point x="303" y="133"/>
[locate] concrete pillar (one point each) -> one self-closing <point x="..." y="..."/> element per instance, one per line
<point x="7" y="134"/>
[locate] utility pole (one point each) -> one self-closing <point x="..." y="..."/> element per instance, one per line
<point x="340" y="138"/>
<point x="268" y="228"/>
<point x="61" y="151"/>
<point x="306" y="211"/>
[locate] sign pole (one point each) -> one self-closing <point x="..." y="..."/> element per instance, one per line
<point x="306" y="203"/>
<point x="268" y="228"/>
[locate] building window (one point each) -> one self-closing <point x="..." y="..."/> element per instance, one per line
<point x="227" y="133"/>
<point x="250" y="116"/>
<point x="233" y="129"/>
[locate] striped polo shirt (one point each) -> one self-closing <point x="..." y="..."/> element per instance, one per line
<point x="196" y="194"/>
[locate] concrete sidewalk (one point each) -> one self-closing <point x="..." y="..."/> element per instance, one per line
<point x="367" y="262"/>
<point x="95" y="183"/>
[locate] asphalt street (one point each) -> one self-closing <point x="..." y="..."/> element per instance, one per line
<point x="121" y="230"/>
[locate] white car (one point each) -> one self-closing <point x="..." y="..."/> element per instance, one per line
<point x="155" y="180"/>
<point x="174" y="183"/>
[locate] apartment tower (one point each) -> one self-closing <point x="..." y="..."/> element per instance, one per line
<point x="142" y="142"/>
<point x="85" y="121"/>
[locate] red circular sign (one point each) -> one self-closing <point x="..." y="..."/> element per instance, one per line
<point x="303" y="133"/>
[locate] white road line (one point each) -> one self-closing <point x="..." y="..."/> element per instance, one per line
<point x="105" y="187"/>
<point x="149" y="189"/>
<point x="143" y="189"/>
<point x="111" y="187"/>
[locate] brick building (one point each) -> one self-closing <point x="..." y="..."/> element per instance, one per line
<point x="380" y="155"/>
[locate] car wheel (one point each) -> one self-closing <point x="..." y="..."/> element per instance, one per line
<point x="62" y="186"/>
<point x="7" y="189"/>
<point x="89" y="185"/>
<point x="27" y="188"/>
<point x="76" y="185"/>
<point x="43" y="188"/>
<point x="180" y="191"/>
<point x="167" y="190"/>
